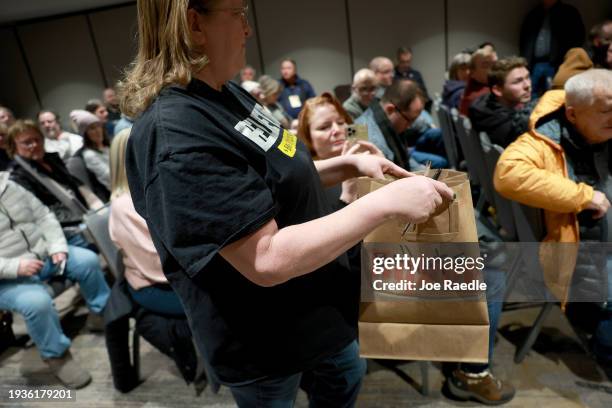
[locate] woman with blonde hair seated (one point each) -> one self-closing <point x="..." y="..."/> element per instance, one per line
<point x="128" y="230"/>
<point x="165" y="325"/>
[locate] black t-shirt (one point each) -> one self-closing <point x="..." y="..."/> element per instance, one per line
<point x="206" y="168"/>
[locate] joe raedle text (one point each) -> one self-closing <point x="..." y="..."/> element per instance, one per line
<point x="424" y="273"/>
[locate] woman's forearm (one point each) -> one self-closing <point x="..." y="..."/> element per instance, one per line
<point x="335" y="170"/>
<point x="272" y="256"/>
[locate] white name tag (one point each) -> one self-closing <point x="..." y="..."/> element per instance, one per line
<point x="295" y="101"/>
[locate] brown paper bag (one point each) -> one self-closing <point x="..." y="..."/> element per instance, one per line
<point x="433" y="330"/>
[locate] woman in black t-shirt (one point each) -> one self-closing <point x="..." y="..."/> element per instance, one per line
<point x="237" y="211"/>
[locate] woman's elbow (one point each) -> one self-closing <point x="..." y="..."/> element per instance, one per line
<point x="268" y="274"/>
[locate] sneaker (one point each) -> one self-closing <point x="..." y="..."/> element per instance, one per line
<point x="483" y="387"/>
<point x="68" y="371"/>
<point x="95" y="322"/>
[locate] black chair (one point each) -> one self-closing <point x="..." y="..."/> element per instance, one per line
<point x="343" y="92"/>
<point x="530" y="229"/>
<point x="463" y="129"/>
<point x="448" y="135"/>
<point x="503" y="207"/>
<point x="76" y="167"/>
<point x="97" y="226"/>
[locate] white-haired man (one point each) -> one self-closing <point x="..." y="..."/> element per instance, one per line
<point x="562" y="165"/>
<point x="364" y="89"/>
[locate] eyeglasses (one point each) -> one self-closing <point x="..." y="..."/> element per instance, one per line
<point x="235" y="11"/>
<point x="402" y="114"/>
<point x="28" y="144"/>
<point x="366" y="89"/>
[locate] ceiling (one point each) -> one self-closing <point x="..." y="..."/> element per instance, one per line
<point x="18" y="10"/>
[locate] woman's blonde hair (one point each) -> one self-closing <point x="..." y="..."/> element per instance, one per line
<point x="119" y="182"/>
<point x="166" y="54"/>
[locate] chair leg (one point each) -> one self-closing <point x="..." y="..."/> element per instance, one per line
<point x="136" y="352"/>
<point x="424" y="365"/>
<point x="522" y="351"/>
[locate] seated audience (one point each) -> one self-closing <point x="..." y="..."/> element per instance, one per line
<point x="5" y="160"/>
<point x="58" y="141"/>
<point x="384" y="71"/>
<point x="404" y="70"/>
<point x="458" y="75"/>
<point x="576" y="61"/>
<point x="109" y="97"/>
<point x="6" y="116"/>
<point x="295" y="89"/>
<point x="561" y="165"/>
<point x="400" y="106"/>
<point x="488" y="46"/>
<point x="477" y="84"/>
<point x="600" y="44"/>
<point x="253" y="88"/>
<point x="247" y="73"/>
<point x="270" y="91"/>
<point x="37" y="171"/>
<point x="146" y="283"/>
<point x="33" y="250"/>
<point x="98" y="108"/>
<point x="363" y="91"/>
<point x="94" y="151"/>
<point x="504" y="113"/>
<point x="124" y="122"/>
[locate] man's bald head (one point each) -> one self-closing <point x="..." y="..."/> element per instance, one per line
<point x="383" y="68"/>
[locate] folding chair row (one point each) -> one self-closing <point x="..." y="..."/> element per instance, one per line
<point x="448" y="135"/>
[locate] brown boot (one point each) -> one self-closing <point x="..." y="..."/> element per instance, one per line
<point x="95" y="322"/>
<point x="68" y="371"/>
<point x="483" y="387"/>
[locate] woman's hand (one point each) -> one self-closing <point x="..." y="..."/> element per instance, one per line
<point x="58" y="257"/>
<point x="414" y="199"/>
<point x="376" y="167"/>
<point x="29" y="267"/>
<point x="361" y="147"/>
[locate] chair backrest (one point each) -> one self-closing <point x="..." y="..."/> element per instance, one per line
<point x="97" y="225"/>
<point x="503" y="206"/>
<point x="463" y="129"/>
<point x="342" y="92"/>
<point x="484" y="177"/>
<point x="448" y="135"/>
<point x="76" y="167"/>
<point x="529" y="222"/>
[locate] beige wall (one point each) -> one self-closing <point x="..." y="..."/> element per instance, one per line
<point x="65" y="69"/>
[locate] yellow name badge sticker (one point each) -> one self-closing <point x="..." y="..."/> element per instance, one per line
<point x="288" y="144"/>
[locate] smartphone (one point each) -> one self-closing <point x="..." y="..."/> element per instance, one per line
<point x="58" y="268"/>
<point x="356" y="132"/>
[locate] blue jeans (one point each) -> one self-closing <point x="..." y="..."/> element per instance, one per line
<point x="603" y="333"/>
<point x="496" y="288"/>
<point x="541" y="78"/>
<point x="161" y="301"/>
<point x="28" y="297"/>
<point x="430" y="147"/>
<point x="334" y="382"/>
